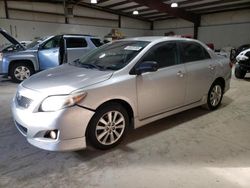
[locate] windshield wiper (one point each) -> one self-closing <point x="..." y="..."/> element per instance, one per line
<point x="87" y="65"/>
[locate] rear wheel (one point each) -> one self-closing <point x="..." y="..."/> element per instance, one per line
<point x="20" y="72"/>
<point x="215" y="95"/>
<point x="239" y="73"/>
<point x="108" y="126"/>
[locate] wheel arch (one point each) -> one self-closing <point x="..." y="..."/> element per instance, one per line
<point x="222" y="81"/>
<point x="124" y="104"/>
<point x="25" y="61"/>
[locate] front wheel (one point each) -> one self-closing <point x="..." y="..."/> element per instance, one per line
<point x="215" y="95"/>
<point x="108" y="126"/>
<point x="20" y="71"/>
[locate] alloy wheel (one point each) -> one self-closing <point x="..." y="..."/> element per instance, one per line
<point x="215" y="95"/>
<point x="110" y="127"/>
<point x="22" y="73"/>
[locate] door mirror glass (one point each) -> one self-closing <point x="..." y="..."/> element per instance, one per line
<point x="147" y="66"/>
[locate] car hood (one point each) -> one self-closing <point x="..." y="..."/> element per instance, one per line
<point x="65" y="79"/>
<point x="10" y="38"/>
<point x="21" y="53"/>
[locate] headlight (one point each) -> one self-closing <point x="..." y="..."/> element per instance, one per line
<point x="1" y="56"/>
<point x="55" y="103"/>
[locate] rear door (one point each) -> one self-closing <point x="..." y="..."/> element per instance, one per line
<point x="48" y="53"/>
<point x="163" y="90"/>
<point x="76" y="47"/>
<point x="200" y="70"/>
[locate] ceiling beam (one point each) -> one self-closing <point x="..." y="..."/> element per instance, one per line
<point x="215" y="3"/>
<point x="166" y="8"/>
<point x="226" y="10"/>
<point x="96" y="7"/>
<point x="221" y="8"/>
<point x="116" y="4"/>
<point x="128" y="8"/>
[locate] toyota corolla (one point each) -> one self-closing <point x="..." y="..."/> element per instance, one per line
<point x="127" y="83"/>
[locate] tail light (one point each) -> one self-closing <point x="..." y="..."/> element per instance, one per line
<point x="1" y="56"/>
<point x="231" y="64"/>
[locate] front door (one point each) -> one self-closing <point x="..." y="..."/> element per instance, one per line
<point x="48" y="53"/>
<point x="164" y="89"/>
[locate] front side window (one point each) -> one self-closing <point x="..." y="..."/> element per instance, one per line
<point x="52" y="43"/>
<point x="75" y="42"/>
<point x="36" y="42"/>
<point x="113" y="56"/>
<point x="165" y="54"/>
<point x="191" y="51"/>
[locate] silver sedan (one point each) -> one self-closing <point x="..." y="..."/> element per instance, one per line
<point x="127" y="83"/>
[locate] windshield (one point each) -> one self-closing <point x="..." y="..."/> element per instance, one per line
<point x="36" y="42"/>
<point x="112" y="56"/>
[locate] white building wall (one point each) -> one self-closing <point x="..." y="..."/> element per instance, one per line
<point x="28" y="30"/>
<point x="178" y="26"/>
<point x="222" y="29"/>
<point x="2" y="10"/>
<point x="28" y="20"/>
<point x="127" y="22"/>
<point x="226" y="29"/>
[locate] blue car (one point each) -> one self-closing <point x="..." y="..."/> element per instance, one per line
<point x="21" y="62"/>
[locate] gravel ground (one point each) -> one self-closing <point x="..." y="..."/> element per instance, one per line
<point x="195" y="149"/>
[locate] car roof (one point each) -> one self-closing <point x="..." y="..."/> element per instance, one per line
<point x="77" y="35"/>
<point x="158" y="39"/>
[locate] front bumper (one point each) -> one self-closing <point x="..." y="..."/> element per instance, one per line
<point x="71" y="124"/>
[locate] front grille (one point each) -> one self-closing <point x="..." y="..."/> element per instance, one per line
<point x="23" y="101"/>
<point x="21" y="128"/>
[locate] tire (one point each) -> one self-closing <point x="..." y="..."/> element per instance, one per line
<point x="240" y="74"/>
<point x="20" y="71"/>
<point x="215" y="96"/>
<point x="101" y="129"/>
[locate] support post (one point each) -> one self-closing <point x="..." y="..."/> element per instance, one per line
<point x="152" y="25"/>
<point x="6" y="9"/>
<point x="196" y="27"/>
<point x="119" y="21"/>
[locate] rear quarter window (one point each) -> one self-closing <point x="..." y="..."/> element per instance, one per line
<point x="75" y="42"/>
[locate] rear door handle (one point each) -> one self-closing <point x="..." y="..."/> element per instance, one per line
<point x="180" y="74"/>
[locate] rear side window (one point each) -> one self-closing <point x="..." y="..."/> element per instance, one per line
<point x="191" y="51"/>
<point x="248" y="54"/>
<point x="75" y="42"/>
<point x="165" y="54"/>
<point x="97" y="42"/>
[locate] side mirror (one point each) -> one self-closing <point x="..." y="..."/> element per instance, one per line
<point x="40" y="47"/>
<point x="146" y="66"/>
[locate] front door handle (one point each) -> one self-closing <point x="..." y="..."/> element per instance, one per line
<point x="211" y="67"/>
<point x="180" y="74"/>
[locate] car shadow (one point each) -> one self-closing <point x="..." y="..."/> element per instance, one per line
<point x="150" y="130"/>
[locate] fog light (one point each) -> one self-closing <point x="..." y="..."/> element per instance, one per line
<point x="53" y="134"/>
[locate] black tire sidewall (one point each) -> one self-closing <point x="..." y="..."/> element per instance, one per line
<point x="209" y="105"/>
<point x="91" y="136"/>
<point x="12" y="69"/>
<point x="240" y="74"/>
